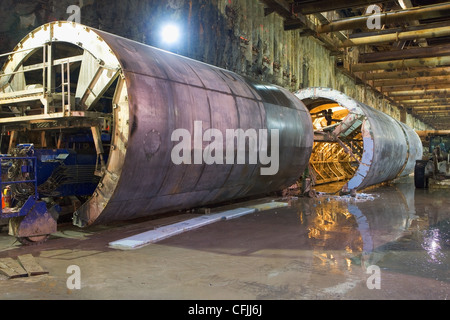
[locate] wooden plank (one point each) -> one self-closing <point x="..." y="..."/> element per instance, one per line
<point x="31" y="266"/>
<point x="11" y="268"/>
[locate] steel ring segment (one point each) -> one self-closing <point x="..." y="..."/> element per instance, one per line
<point x="165" y="92"/>
<point x="390" y="148"/>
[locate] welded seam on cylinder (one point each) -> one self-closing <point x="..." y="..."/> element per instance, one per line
<point x="191" y="85"/>
<point x="408" y="152"/>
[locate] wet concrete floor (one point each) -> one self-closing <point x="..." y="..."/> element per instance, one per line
<point x="390" y="242"/>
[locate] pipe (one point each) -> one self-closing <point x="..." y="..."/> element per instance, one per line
<point x="390" y="147"/>
<point x="163" y="106"/>
<point x="407" y="35"/>
<point x="425" y="12"/>
<point x="326" y="5"/>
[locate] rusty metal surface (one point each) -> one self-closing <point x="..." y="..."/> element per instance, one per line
<point x="165" y="92"/>
<point x="390" y="147"/>
<point x="157" y="92"/>
<point x="37" y="222"/>
<point x="415" y="149"/>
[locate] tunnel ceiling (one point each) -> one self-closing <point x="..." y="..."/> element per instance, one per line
<point x="406" y="58"/>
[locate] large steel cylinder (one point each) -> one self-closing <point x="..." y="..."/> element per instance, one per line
<point x="158" y="92"/>
<point x="390" y="147"/>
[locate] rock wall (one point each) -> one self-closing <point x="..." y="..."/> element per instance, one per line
<point x="233" y="34"/>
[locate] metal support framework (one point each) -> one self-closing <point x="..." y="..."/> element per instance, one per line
<point x="419" y="101"/>
<point x="427" y="105"/>
<point x="295" y="20"/>
<point x="65" y="87"/>
<point x="427" y="86"/>
<point x="408" y="73"/>
<point x="96" y="134"/>
<point x="416" y="81"/>
<point x="435" y="111"/>
<point x="402" y="64"/>
<point x="427" y="109"/>
<point x="422" y="96"/>
<point x="419" y="92"/>
<point x="407" y="53"/>
<point x="310" y="7"/>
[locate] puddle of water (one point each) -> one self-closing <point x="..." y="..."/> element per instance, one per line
<point x="395" y="227"/>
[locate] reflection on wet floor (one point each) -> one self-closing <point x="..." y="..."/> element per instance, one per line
<point x="316" y="248"/>
<point x="399" y="228"/>
<point x="324" y="247"/>
<point x="394" y="227"/>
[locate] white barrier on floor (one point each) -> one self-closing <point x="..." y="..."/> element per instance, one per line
<point x="165" y="232"/>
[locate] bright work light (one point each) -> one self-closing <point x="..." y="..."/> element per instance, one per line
<point x="170" y="33"/>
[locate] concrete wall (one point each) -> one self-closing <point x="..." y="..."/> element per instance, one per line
<point x="233" y="34"/>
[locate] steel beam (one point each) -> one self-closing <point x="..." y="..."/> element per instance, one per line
<point x="409" y="73"/>
<point x="433" y="112"/>
<point x="397" y="88"/>
<point x="443" y="117"/>
<point x="402" y="64"/>
<point x="415" y="81"/>
<point x="299" y="21"/>
<point x="399" y="99"/>
<point x="310" y="7"/>
<point x="407" y="53"/>
<point x="429" y="105"/>
<point x="418" y="101"/>
<point x="394" y="94"/>
<point x="419" y="108"/>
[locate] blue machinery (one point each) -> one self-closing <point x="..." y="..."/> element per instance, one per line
<point x="31" y="181"/>
<point x="32" y="222"/>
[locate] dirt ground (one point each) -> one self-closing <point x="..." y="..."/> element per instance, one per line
<point x="390" y="242"/>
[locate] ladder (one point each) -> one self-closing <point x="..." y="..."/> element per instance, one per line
<point x="65" y="87"/>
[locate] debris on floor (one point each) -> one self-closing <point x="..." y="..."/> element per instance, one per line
<point x="25" y="266"/>
<point x="359" y="197"/>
